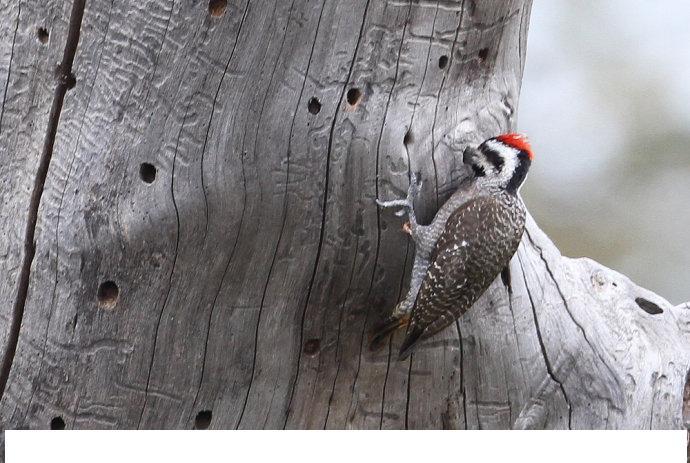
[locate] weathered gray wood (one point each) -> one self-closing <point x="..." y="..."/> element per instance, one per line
<point x="27" y="69"/>
<point x="252" y="268"/>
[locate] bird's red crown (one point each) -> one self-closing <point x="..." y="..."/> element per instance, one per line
<point x="517" y="141"/>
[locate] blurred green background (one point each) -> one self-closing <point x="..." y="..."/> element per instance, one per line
<point x="606" y="104"/>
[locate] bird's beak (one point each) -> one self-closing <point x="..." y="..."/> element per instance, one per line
<point x="469" y="155"/>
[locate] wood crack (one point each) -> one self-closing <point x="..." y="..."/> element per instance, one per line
<point x="378" y="216"/>
<point x="220" y="286"/>
<point x="65" y="81"/>
<point x="9" y="68"/>
<point x="174" y="263"/>
<point x="547" y="362"/>
<point x="390" y="342"/>
<point x="213" y="110"/>
<point x="57" y="224"/>
<point x="337" y="340"/>
<point x="515" y="331"/>
<point x="438" y="98"/>
<point x="462" y="373"/>
<point x="409" y="166"/>
<point x="579" y="326"/>
<point x="325" y="202"/>
<point x="421" y="85"/>
<point x="241" y="221"/>
<point x="283" y="215"/>
<point x="292" y="125"/>
<point x="407" y="400"/>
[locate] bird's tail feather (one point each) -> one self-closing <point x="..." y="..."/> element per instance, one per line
<point x="410" y="342"/>
<point x="382" y="331"/>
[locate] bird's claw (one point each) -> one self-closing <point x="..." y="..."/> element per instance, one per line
<point x="408" y="201"/>
<point x="415" y="186"/>
<point x="394" y="203"/>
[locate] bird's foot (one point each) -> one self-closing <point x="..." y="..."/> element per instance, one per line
<point x="415" y="186"/>
<point x="406" y="203"/>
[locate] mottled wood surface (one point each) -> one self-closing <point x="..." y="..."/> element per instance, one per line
<point x="252" y="268"/>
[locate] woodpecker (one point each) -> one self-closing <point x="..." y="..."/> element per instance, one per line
<point x="470" y="241"/>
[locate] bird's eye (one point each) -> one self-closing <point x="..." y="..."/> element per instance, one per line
<point x="478" y="170"/>
<point x="494" y="158"/>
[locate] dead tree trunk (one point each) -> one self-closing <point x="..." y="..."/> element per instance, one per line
<point x="208" y="250"/>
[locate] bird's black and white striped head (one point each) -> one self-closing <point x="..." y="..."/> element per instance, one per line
<point x="501" y="161"/>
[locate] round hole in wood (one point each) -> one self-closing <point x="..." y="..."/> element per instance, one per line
<point x="443" y="62"/>
<point x="57" y="423"/>
<point x="216" y="8"/>
<point x="354" y="96"/>
<point x="312" y="346"/>
<point x="203" y="419"/>
<point x="147" y="172"/>
<point x="314" y="105"/>
<point x="42" y="34"/>
<point x="108" y="293"/>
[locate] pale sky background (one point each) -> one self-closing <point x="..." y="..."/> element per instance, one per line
<point x="606" y="104"/>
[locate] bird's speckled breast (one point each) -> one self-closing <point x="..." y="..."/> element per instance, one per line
<point x="478" y="241"/>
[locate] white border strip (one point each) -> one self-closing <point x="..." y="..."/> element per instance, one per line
<point x="345" y="446"/>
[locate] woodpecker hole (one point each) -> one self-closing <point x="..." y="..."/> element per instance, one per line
<point x="203" y="419"/>
<point x="57" y="423"/>
<point x="147" y="172"/>
<point x="648" y="306"/>
<point x="312" y="346"/>
<point x="443" y="62"/>
<point x="108" y="293"/>
<point x="42" y="34"/>
<point x="354" y="96"/>
<point x="483" y="53"/>
<point x="407" y="139"/>
<point x="314" y="105"/>
<point x="216" y="8"/>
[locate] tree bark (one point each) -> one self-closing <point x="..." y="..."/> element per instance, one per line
<point x="217" y="165"/>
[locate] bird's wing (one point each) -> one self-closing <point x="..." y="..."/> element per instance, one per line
<point x="477" y="243"/>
